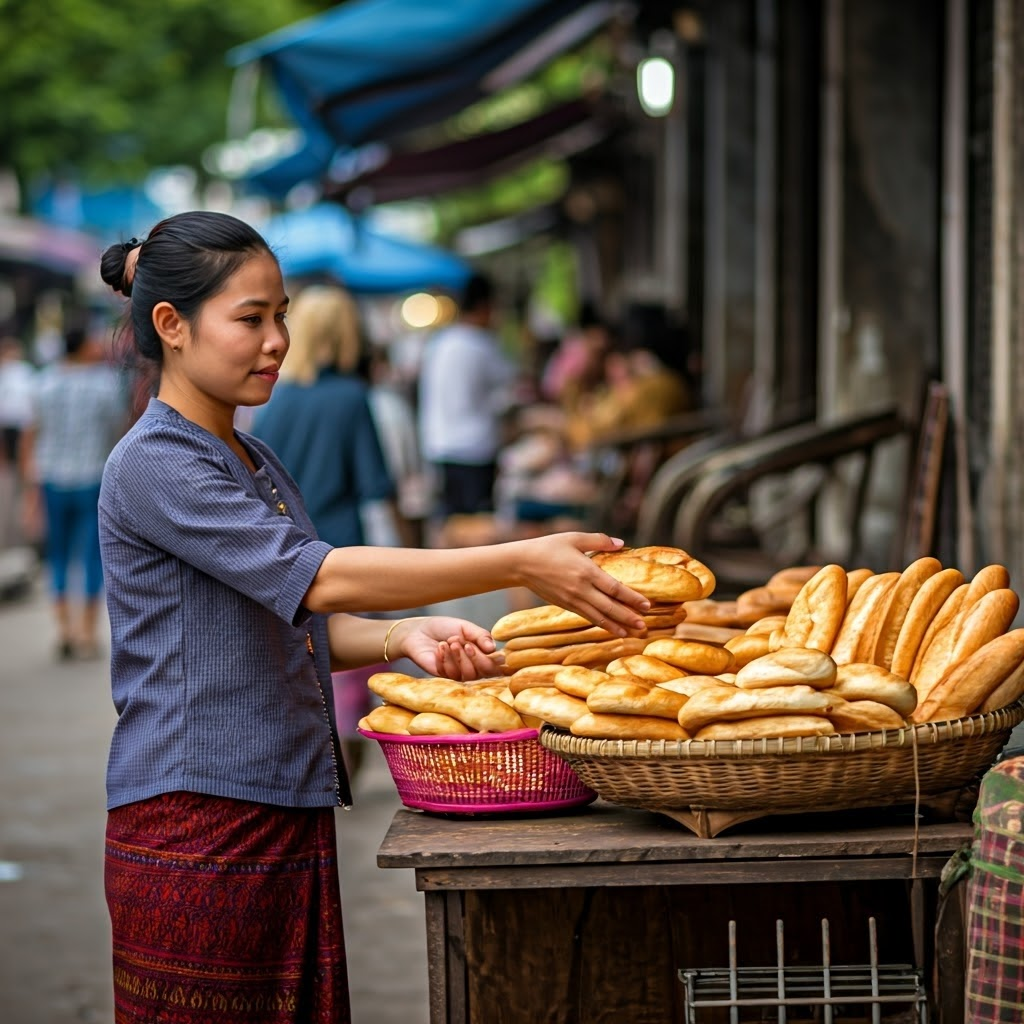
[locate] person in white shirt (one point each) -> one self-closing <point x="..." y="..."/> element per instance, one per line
<point x="17" y="383"/>
<point x="465" y="388"/>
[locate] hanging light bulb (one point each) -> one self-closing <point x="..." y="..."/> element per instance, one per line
<point x="656" y="85"/>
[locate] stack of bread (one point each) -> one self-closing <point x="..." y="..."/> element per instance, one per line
<point x="815" y="651"/>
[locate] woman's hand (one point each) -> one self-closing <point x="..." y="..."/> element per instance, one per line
<point x="447" y="647"/>
<point x="557" y="570"/>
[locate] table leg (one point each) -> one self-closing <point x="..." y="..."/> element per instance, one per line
<point x="446" y="957"/>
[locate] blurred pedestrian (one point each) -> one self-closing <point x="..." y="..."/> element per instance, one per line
<point x="79" y="410"/>
<point x="465" y="390"/>
<point x="17" y="380"/>
<point x="227" y="615"/>
<point x="320" y="425"/>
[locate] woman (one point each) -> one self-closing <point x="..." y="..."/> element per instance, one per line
<point x="227" y="616"/>
<point x="320" y="425"/>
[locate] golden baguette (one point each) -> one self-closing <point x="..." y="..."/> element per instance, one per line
<point x="941" y="626"/>
<point x="911" y="580"/>
<point x="974" y="625"/>
<point x="766" y="727"/>
<point x="793" y="574"/>
<point x="645" y="667"/>
<point x="988" y="578"/>
<point x="547" y="618"/>
<point x="480" y="712"/>
<point x="431" y="723"/>
<point x="1008" y="692"/>
<point x="766" y="625"/>
<point x="389" y="718"/>
<point x="863" y="716"/>
<point x="671" y="556"/>
<point x="578" y="680"/>
<point x="760" y="601"/>
<point x="604" y="651"/>
<point x="717" y="705"/>
<point x="594" y="634"/>
<point x="532" y="675"/>
<point x="862" y="616"/>
<point x="855" y="579"/>
<point x="788" y="666"/>
<point x="657" y="581"/>
<point x="689" y="685"/>
<point x="619" y="697"/>
<point x="858" y="681"/>
<point x="923" y="609"/>
<point x="691" y="655"/>
<point x="969" y="683"/>
<point x="817" y="612"/>
<point x="551" y="705"/>
<point x="744" y="649"/>
<point x="599" y="726"/>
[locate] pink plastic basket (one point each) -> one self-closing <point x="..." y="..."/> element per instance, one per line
<point x="480" y="773"/>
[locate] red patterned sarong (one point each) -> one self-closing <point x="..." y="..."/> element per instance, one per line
<point x="225" y="912"/>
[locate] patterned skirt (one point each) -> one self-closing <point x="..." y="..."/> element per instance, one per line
<point x="225" y="912"/>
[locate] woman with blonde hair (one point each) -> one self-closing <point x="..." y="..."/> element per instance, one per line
<point x="326" y="332"/>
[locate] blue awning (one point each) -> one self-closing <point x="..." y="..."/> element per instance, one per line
<point x="374" y="69"/>
<point x="326" y="240"/>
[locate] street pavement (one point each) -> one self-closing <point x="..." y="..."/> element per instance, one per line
<point x="55" y="724"/>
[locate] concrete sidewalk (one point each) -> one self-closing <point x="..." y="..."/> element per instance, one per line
<point x="55" y="724"/>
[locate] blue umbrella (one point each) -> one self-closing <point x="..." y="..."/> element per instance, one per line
<point x="326" y="239"/>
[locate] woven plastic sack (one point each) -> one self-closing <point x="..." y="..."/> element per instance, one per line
<point x="995" y="899"/>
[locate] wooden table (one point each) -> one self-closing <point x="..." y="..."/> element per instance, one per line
<point x="587" y="918"/>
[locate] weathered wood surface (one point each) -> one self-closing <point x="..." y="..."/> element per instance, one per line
<point x="607" y="834"/>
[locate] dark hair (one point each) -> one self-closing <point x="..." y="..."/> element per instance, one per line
<point x="186" y="260"/>
<point x="477" y="293"/>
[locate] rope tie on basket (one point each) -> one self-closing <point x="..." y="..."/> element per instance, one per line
<point x="917" y="802"/>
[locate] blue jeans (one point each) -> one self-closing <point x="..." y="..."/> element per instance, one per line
<point x="72" y="532"/>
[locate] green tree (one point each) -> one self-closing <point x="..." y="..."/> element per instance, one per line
<point x="104" y="91"/>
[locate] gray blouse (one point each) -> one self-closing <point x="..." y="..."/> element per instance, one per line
<point x="220" y="677"/>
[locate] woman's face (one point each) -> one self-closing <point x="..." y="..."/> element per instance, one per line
<point x="233" y="353"/>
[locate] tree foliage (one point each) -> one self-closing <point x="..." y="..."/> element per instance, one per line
<point x="105" y="90"/>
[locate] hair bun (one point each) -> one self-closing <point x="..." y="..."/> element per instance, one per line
<point x="114" y="266"/>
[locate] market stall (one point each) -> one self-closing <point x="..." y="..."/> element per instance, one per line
<point x="749" y="808"/>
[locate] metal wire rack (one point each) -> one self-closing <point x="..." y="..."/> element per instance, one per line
<point x="833" y="993"/>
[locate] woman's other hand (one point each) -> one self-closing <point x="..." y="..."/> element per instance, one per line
<point x="447" y="647"/>
<point x="558" y="571"/>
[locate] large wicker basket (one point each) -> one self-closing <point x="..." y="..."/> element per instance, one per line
<point x="710" y="785"/>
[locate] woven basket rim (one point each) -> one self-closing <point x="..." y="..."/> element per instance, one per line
<point x="472" y="737"/>
<point x="836" y="745"/>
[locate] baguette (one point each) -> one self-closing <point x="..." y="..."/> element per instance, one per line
<point x="911" y="580"/>
<point x="767" y="727"/>
<point x="389" y="718"/>
<point x="548" y="618"/>
<point x="579" y="681"/>
<point x="657" y="581"/>
<point x="533" y="675"/>
<point x="530" y="657"/>
<point x="766" y="626"/>
<point x="600" y="726"/>
<point x="560" y="639"/>
<point x="479" y="711"/>
<point x="709" y="612"/>
<point x="940" y="626"/>
<point x="974" y="626"/>
<point x="717" y="705"/>
<point x="760" y="601"/>
<point x="551" y="705"/>
<point x="862" y="616"/>
<point x="626" y="698"/>
<point x="746" y="649"/>
<point x="604" y="651"/>
<point x="855" y="579"/>
<point x="923" y="609"/>
<point x="691" y="655"/>
<point x="858" y="681"/>
<point x="689" y="685"/>
<point x="969" y="683"/>
<point x="817" y="612"/>
<point x="793" y="574"/>
<point x="430" y="723"/>
<point x="645" y="667"/>
<point x="677" y="556"/>
<point x="863" y="716"/>
<point x="988" y="578"/>
<point x="1008" y="692"/>
<point x="788" y="666"/>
